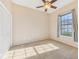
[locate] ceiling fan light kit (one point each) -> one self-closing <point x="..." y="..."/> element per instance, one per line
<point x="48" y="4"/>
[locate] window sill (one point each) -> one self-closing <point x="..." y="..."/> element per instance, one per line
<point x="65" y="37"/>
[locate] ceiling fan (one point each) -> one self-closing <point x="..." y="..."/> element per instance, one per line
<point x="47" y="4"/>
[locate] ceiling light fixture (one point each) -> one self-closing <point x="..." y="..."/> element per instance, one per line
<point x="48" y="4"/>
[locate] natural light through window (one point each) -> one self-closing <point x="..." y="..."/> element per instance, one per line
<point x="19" y="54"/>
<point x="45" y="48"/>
<point x="30" y="51"/>
<point x="8" y="55"/>
<point x="65" y="22"/>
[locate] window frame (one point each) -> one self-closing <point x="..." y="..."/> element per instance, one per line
<point x="59" y="24"/>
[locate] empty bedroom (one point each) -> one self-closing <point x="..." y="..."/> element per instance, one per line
<point x="38" y="29"/>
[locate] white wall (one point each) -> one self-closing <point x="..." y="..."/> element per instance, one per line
<point x="54" y="20"/>
<point x="5" y="34"/>
<point x="7" y="3"/>
<point x="28" y="25"/>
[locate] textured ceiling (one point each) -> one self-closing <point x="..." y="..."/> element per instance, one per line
<point x="34" y="3"/>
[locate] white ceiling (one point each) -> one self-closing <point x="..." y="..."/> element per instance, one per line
<point x="34" y="3"/>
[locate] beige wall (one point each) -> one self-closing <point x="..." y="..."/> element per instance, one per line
<point x="54" y="20"/>
<point x="28" y="25"/>
<point x="26" y="18"/>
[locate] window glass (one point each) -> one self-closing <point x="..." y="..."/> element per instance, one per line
<point x="66" y="24"/>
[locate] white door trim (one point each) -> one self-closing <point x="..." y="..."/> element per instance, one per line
<point x="3" y="6"/>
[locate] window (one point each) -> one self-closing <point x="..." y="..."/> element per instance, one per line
<point x="65" y="24"/>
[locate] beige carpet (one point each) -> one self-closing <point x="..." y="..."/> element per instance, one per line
<point x="47" y="49"/>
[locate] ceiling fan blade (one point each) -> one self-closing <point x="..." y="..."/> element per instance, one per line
<point x="45" y="10"/>
<point x="44" y="1"/>
<point x="39" y="6"/>
<point x="53" y="7"/>
<point x="53" y="1"/>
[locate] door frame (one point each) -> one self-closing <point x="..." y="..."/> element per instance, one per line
<point x="5" y="8"/>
